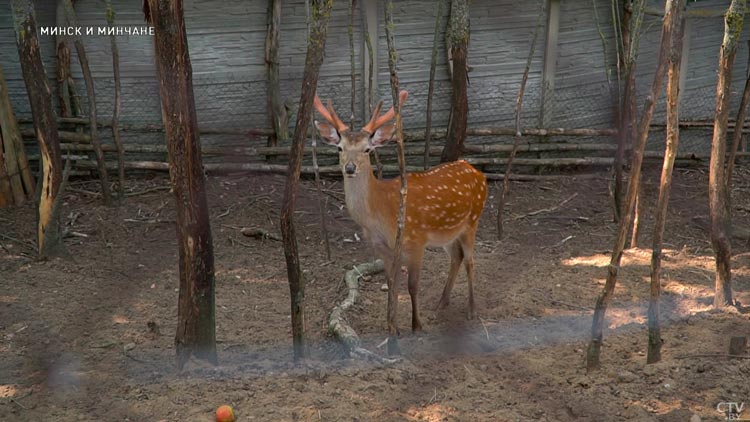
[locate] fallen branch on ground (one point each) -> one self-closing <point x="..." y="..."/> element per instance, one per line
<point x="338" y="326"/>
<point x="258" y="233"/>
<point x="543" y="210"/>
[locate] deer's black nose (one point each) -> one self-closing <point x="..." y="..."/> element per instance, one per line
<point x="350" y="168"/>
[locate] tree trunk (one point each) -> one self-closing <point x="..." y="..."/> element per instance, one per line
<point x="717" y="192"/>
<point x="321" y="11"/>
<point x="40" y="98"/>
<point x="458" y="37"/>
<point x="594" y="348"/>
<point x="196" y="327"/>
<point x="118" y="105"/>
<point x="95" y="141"/>
<point x="277" y="112"/>
<point x="662" y="205"/>
<point x="431" y="84"/>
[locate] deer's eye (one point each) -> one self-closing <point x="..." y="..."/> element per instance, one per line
<point x="340" y="149"/>
<point x="367" y="150"/>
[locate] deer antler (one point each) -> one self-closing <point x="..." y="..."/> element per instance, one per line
<point x="376" y="121"/>
<point x="329" y="114"/>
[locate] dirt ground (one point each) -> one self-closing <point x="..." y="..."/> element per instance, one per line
<point x="92" y="338"/>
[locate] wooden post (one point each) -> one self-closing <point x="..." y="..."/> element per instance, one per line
<point x="277" y="112"/>
<point x="321" y="11"/>
<point x="40" y="98"/>
<point x="550" y="61"/>
<point x="196" y="327"/>
<point x="369" y="10"/>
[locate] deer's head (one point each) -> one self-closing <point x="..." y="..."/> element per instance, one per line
<point x="355" y="146"/>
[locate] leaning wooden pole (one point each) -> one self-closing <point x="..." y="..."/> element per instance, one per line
<point x="717" y="192"/>
<point x="662" y="204"/>
<point x="393" y="348"/>
<point x="431" y="83"/>
<point x="196" y="318"/>
<point x="118" y="105"/>
<point x="89" y="80"/>
<point x="597" y="325"/>
<point x="518" y="137"/>
<point x="49" y="235"/>
<point x="321" y="11"/>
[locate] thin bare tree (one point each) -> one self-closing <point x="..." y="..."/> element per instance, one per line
<point x="717" y="183"/>
<point x="320" y="11"/>
<point x="662" y="205"/>
<point x="597" y="325"/>
<point x="393" y="348"/>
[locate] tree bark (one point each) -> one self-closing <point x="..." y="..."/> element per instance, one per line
<point x="717" y="192"/>
<point x="321" y="11"/>
<point x="594" y="348"/>
<point x="40" y="98"/>
<point x="118" y="106"/>
<point x="277" y="112"/>
<point x="662" y="205"/>
<point x="458" y="37"/>
<point x="89" y="80"/>
<point x="196" y="327"/>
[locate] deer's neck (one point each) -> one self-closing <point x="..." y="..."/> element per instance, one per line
<point x="363" y="192"/>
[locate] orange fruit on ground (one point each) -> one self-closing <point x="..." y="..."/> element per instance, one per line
<point x="224" y="414"/>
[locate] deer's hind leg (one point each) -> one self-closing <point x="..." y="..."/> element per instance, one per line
<point x="414" y="267"/>
<point x="466" y="241"/>
<point x="457" y="256"/>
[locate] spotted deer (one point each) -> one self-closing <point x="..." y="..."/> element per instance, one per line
<point x="443" y="204"/>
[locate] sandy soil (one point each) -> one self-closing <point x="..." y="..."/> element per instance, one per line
<point x="91" y="338"/>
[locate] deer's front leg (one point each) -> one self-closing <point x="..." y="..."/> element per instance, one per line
<point x="386" y="254"/>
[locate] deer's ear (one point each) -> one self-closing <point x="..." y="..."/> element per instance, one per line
<point x="382" y="136"/>
<point x="328" y="132"/>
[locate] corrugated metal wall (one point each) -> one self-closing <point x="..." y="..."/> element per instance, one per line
<point x="227" y="38"/>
